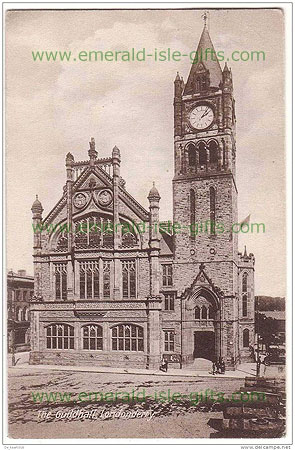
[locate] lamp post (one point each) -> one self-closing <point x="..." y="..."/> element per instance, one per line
<point x="257" y="357"/>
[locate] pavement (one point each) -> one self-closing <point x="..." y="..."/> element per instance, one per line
<point x="242" y="371"/>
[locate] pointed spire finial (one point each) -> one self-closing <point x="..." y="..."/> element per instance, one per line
<point x="205" y="17"/>
<point x="245" y="252"/>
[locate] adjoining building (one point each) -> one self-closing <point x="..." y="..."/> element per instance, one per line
<point x="113" y="288"/>
<point x="20" y="290"/>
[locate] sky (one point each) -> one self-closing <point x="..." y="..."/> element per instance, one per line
<point x="53" y="108"/>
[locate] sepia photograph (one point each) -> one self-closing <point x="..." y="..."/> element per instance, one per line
<point x="145" y="263"/>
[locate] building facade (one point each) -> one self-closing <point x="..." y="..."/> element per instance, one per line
<point x="116" y="287"/>
<point x="20" y="290"/>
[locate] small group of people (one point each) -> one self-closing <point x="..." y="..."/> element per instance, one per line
<point x="164" y="365"/>
<point x="218" y="366"/>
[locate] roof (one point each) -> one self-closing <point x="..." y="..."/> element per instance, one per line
<point x="206" y="59"/>
<point x="278" y="315"/>
<point x="166" y="245"/>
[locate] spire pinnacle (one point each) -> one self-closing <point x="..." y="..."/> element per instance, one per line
<point x="205" y="63"/>
<point x="205" y="17"/>
<point x="92" y="152"/>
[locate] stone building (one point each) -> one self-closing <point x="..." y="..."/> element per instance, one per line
<point x="20" y="290"/>
<point x="114" y="287"/>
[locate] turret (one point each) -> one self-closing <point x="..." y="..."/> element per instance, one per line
<point x="37" y="211"/>
<point x="178" y="89"/>
<point x="154" y="200"/>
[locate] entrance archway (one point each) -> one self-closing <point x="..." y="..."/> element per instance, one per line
<point x="204" y="345"/>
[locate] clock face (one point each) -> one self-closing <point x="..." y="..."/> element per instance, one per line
<point x="201" y="117"/>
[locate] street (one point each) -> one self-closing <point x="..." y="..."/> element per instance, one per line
<point x="152" y="412"/>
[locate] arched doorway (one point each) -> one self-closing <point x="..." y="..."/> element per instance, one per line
<point x="204" y="326"/>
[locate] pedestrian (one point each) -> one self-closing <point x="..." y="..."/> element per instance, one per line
<point x="213" y="367"/>
<point x="164" y="365"/>
<point x="222" y="366"/>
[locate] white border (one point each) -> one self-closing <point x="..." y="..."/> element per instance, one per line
<point x="234" y="443"/>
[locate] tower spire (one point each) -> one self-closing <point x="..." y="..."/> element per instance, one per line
<point x="205" y="65"/>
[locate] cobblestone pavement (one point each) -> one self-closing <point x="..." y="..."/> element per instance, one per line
<point x="184" y="416"/>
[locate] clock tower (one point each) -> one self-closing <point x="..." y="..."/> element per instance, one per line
<point x="205" y="207"/>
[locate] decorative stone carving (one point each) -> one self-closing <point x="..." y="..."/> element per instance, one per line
<point x="104" y="197"/>
<point x="80" y="200"/>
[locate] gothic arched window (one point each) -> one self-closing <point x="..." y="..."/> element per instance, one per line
<point x="191" y="155"/>
<point x="212" y="210"/>
<point x="129" y="278"/>
<point x="213" y="152"/>
<point x="192" y="213"/>
<point x="202" y="154"/>
<point x="246" y="338"/>
<point x="211" y="313"/>
<point x="128" y="240"/>
<point x="92" y="337"/>
<point x="60" y="273"/>
<point x="203" y="82"/>
<point x="127" y="337"/>
<point x="245" y="294"/>
<point x="60" y="336"/>
<point x="204" y="312"/>
<point x="197" y="313"/>
<point x="245" y="282"/>
<point x="62" y="243"/>
<point x="89" y="279"/>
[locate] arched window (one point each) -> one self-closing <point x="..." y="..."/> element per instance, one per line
<point x="246" y="338"/>
<point x="245" y="282"/>
<point x="92" y="337"/>
<point x="18" y="314"/>
<point x="94" y="231"/>
<point x="211" y="313"/>
<point x="191" y="155"/>
<point x="129" y="278"/>
<point x="169" y="340"/>
<point x="60" y="272"/>
<point x="193" y="213"/>
<point x="127" y="338"/>
<point x="212" y="210"/>
<point x="60" y="336"/>
<point x="62" y="243"/>
<point x="25" y="314"/>
<point x="245" y="294"/>
<point x="106" y="279"/>
<point x="203" y="82"/>
<point x="204" y="313"/>
<point x="213" y="152"/>
<point x="202" y="154"/>
<point x="197" y="313"/>
<point x="89" y="279"/>
<point x="128" y="240"/>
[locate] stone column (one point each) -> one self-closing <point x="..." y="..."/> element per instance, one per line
<point x="116" y="225"/>
<point x="69" y="230"/>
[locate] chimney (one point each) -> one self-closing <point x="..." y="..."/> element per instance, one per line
<point x="21" y="273"/>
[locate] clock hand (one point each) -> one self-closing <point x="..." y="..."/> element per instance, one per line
<point x="205" y="113"/>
